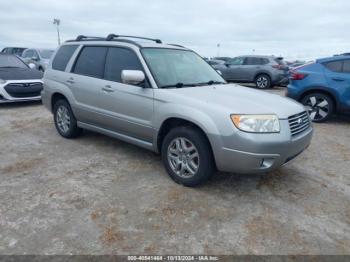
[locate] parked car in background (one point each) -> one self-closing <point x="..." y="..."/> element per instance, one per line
<point x="264" y="71"/>
<point x="322" y="86"/>
<point x="13" y="50"/>
<point x="222" y="58"/>
<point x="18" y="82"/>
<point x="169" y="100"/>
<point x="214" y="62"/>
<point x="39" y="57"/>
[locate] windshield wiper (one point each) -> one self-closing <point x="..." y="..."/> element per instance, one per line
<point x="211" y="82"/>
<point x="178" y="85"/>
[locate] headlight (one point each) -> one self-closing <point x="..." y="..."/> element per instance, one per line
<point x="2" y="81"/>
<point x="257" y="123"/>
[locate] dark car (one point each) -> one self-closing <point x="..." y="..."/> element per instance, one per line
<point x="322" y="86"/>
<point x="18" y="82"/>
<point x="264" y="71"/>
<point x="13" y="50"/>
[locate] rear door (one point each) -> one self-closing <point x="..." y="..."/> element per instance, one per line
<point x="126" y="109"/>
<point x="250" y="67"/>
<point x="338" y="77"/>
<point x="86" y="81"/>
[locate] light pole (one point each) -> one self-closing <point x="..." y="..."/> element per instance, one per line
<point x="218" y="50"/>
<point x="57" y="22"/>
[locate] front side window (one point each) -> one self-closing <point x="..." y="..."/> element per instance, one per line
<point x="179" y="67"/>
<point x="46" y="54"/>
<point x="28" y="54"/>
<point x="91" y="61"/>
<point x="63" y="56"/>
<point x="119" y="59"/>
<point x="236" y="61"/>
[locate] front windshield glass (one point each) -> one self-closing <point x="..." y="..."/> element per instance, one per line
<point x="174" y="67"/>
<point x="11" y="61"/>
<point x="46" y="54"/>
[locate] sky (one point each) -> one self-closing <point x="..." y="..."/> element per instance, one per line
<point x="293" y="29"/>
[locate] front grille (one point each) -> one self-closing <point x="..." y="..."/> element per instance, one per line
<point x="299" y="123"/>
<point x="20" y="90"/>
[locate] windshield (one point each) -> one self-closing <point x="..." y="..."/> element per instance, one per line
<point x="11" y="61"/>
<point x="178" y="68"/>
<point x="46" y="54"/>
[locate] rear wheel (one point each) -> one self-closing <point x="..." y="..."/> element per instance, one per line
<point x="320" y="106"/>
<point x="187" y="156"/>
<point x="263" y="81"/>
<point x="65" y="121"/>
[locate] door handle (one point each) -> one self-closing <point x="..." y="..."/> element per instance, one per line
<point x="338" y="79"/>
<point x="107" y="89"/>
<point x="70" y="80"/>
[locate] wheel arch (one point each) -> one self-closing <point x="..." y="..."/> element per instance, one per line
<point x="320" y="90"/>
<point x="263" y="73"/>
<point x="55" y="97"/>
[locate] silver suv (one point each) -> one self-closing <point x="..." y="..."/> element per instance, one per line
<point x="264" y="71"/>
<point x="167" y="99"/>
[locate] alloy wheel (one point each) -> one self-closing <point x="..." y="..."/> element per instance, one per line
<point x="63" y="119"/>
<point x="262" y="82"/>
<point x="183" y="157"/>
<point x="317" y="107"/>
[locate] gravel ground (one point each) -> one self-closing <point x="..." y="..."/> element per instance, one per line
<point x="98" y="195"/>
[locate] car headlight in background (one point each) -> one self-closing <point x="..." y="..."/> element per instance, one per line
<point x="257" y="123"/>
<point x="2" y="81"/>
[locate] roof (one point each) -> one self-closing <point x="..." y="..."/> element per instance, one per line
<point x="332" y="58"/>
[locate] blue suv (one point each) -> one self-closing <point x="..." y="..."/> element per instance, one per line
<point x="323" y="87"/>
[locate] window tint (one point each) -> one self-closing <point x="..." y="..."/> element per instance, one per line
<point x="119" y="59"/>
<point x="236" y="61"/>
<point x="253" y="61"/>
<point x="335" y="66"/>
<point x="29" y="54"/>
<point x="346" y="66"/>
<point x="91" y="61"/>
<point x="63" y="56"/>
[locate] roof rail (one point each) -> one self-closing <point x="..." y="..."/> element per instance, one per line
<point x="83" y="37"/>
<point x="110" y="37"/>
<point x="177" y="45"/>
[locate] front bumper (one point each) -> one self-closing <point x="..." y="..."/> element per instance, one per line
<point x="248" y="153"/>
<point x="20" y="90"/>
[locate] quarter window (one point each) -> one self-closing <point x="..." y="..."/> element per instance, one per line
<point x="335" y="66"/>
<point x="346" y="66"/>
<point x="63" y="56"/>
<point x="91" y="61"/>
<point x="119" y="59"/>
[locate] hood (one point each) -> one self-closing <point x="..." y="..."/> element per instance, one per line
<point x="20" y="74"/>
<point x="237" y="99"/>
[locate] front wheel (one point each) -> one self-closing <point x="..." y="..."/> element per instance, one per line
<point x="263" y="81"/>
<point x="320" y="106"/>
<point x="187" y="156"/>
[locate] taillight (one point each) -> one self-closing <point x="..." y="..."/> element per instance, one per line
<point x="294" y="75"/>
<point x="279" y="67"/>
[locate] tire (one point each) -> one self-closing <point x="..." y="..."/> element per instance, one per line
<point x="65" y="121"/>
<point x="178" y="147"/>
<point x="263" y="81"/>
<point x="319" y="105"/>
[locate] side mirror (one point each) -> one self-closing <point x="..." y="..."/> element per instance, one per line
<point x="34" y="58"/>
<point x="132" y="77"/>
<point x="31" y="66"/>
<point x="227" y="64"/>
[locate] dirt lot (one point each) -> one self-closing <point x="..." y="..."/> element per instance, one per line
<point x="98" y="195"/>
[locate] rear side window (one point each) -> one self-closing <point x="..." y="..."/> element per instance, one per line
<point x="91" y="61"/>
<point x="252" y="61"/>
<point x="63" y="56"/>
<point x="346" y="66"/>
<point x="119" y="59"/>
<point x="335" y="66"/>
